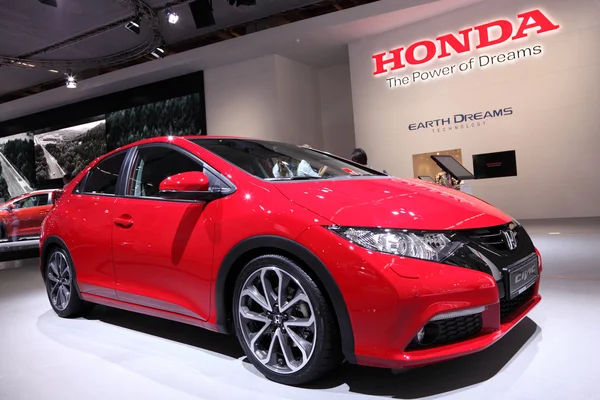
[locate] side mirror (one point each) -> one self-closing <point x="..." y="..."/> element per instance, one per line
<point x="193" y="185"/>
<point x="193" y="181"/>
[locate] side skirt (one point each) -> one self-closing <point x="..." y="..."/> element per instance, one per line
<point x="149" y="311"/>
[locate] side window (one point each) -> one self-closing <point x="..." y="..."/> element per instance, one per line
<point x="23" y="203"/>
<point x="155" y="163"/>
<point x="33" y="201"/>
<point x="102" y="179"/>
<point x="43" y="200"/>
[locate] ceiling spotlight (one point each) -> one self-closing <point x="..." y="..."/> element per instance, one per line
<point x="71" y="81"/>
<point x="25" y="64"/>
<point x="159" y="52"/>
<point x="171" y="16"/>
<point x="134" y="26"/>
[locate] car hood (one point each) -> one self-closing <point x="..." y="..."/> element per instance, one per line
<point x="392" y="203"/>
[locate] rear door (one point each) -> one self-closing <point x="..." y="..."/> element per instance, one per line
<point x="163" y="249"/>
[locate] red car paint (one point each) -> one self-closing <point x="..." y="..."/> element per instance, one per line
<point x="22" y="216"/>
<point x="163" y="258"/>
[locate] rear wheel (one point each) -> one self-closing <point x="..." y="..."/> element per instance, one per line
<point x="283" y="321"/>
<point x="61" y="285"/>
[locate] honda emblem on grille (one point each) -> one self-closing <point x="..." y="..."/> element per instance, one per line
<point x="510" y="238"/>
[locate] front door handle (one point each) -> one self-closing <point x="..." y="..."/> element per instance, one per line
<point x="123" y="222"/>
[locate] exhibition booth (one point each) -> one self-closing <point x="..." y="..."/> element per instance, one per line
<point x="507" y="88"/>
<point x="493" y="77"/>
<point x="497" y="99"/>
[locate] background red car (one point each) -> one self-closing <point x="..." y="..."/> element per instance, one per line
<point x="308" y="258"/>
<point x="22" y="216"/>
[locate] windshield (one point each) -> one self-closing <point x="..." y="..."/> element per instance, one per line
<point x="4" y="203"/>
<point x="281" y="161"/>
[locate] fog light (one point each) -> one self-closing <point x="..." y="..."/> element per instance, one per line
<point x="421" y="335"/>
<point x="428" y="334"/>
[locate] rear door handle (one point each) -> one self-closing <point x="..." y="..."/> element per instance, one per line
<point x="123" y="222"/>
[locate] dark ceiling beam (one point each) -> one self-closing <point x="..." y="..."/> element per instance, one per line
<point x="78" y="38"/>
<point x="286" y="17"/>
<point x="171" y="4"/>
<point x="281" y="20"/>
<point x="234" y="33"/>
<point x="138" y="8"/>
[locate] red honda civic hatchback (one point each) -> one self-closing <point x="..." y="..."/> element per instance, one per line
<point x="310" y="259"/>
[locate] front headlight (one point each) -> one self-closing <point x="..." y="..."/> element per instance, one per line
<point x="431" y="246"/>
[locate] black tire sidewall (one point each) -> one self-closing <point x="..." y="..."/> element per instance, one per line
<point x="76" y="304"/>
<point x="321" y="310"/>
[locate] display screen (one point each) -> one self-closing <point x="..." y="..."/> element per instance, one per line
<point x="495" y="165"/>
<point x="453" y="167"/>
<point x="426" y="178"/>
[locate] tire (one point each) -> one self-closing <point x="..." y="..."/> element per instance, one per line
<point x="3" y="232"/>
<point x="61" y="285"/>
<point x="301" y="321"/>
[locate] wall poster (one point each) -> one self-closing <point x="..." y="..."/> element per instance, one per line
<point x="68" y="151"/>
<point x="40" y="159"/>
<point x="173" y="117"/>
<point x="17" y="165"/>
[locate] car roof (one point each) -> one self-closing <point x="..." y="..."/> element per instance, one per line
<point x="163" y="139"/>
<point x="33" y="192"/>
<point x="41" y="191"/>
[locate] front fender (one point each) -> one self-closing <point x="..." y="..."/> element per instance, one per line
<point x="310" y="261"/>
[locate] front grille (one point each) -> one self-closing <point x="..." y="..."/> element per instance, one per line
<point x="451" y="330"/>
<point x="531" y="260"/>
<point x="459" y="328"/>
<point x="492" y="238"/>
<point x="508" y="306"/>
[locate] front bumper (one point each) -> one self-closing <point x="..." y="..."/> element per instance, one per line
<point x="389" y="299"/>
<point x="489" y="335"/>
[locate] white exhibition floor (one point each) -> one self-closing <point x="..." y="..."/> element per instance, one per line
<point x="120" y="355"/>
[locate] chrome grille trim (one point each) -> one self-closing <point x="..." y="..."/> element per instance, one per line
<point x="459" y="313"/>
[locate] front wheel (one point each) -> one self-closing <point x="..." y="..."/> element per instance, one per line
<point x="61" y="285"/>
<point x="283" y="321"/>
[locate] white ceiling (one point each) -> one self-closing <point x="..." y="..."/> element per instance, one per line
<point x="319" y="42"/>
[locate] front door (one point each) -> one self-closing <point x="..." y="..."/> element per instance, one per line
<point x="88" y="227"/>
<point x="30" y="212"/>
<point x="163" y="249"/>
<point x="39" y="210"/>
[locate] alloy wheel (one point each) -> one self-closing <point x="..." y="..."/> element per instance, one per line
<point x="59" y="277"/>
<point x="277" y="320"/>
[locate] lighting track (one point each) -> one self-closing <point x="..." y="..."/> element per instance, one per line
<point x="139" y="9"/>
<point x="319" y="7"/>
